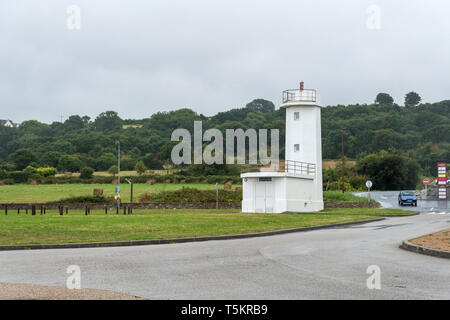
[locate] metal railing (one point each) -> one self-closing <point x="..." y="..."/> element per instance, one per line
<point x="297" y="95"/>
<point x="298" y="167"/>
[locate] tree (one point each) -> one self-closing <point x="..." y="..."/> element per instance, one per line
<point x="73" y="123"/>
<point x="69" y="163"/>
<point x="50" y="158"/>
<point x="105" y="161"/>
<point x="86" y="173"/>
<point x="261" y="105"/>
<point x="22" y="158"/>
<point x="108" y="121"/>
<point x="412" y="99"/>
<point x="384" y="98"/>
<point x="390" y="171"/>
<point x="113" y="170"/>
<point x="140" y="167"/>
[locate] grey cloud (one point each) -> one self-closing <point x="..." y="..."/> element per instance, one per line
<point x="140" y="57"/>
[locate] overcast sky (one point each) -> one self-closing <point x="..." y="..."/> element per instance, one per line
<point x="142" y="56"/>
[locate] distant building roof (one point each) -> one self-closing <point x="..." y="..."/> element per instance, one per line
<point x="8" y="123"/>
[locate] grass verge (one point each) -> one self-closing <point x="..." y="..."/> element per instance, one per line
<point x="338" y="196"/>
<point x="151" y="224"/>
<point x="24" y="193"/>
<point x="369" y="211"/>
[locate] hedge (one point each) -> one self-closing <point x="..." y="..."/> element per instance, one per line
<point x="191" y="195"/>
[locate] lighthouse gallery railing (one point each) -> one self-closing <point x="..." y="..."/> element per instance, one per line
<point x="295" y="95"/>
<point x="302" y="168"/>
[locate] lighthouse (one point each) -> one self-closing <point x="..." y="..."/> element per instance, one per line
<point x="296" y="185"/>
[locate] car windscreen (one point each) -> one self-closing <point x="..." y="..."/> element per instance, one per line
<point x="408" y="193"/>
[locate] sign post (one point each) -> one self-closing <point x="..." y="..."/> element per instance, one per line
<point x="426" y="182"/>
<point x="130" y="181"/>
<point x="369" y="185"/>
<point x="217" y="195"/>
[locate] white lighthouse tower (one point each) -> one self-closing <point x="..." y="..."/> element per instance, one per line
<point x="296" y="185"/>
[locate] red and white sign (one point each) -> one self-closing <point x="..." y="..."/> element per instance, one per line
<point x="426" y="181"/>
<point x="442" y="181"/>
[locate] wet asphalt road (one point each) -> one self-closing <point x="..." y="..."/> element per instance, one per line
<point x="389" y="199"/>
<point x="321" y="264"/>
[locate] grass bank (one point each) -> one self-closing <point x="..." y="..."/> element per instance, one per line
<point x="151" y="224"/>
<point x="338" y="196"/>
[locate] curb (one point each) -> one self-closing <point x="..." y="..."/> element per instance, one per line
<point x="406" y="245"/>
<point x="400" y="215"/>
<point x="176" y="240"/>
<point x="371" y="215"/>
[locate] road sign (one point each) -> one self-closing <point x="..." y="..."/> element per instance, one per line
<point x="117" y="193"/>
<point x="426" y="181"/>
<point x="442" y="181"/>
<point x="368" y="185"/>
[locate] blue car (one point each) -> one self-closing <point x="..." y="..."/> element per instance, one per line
<point x="407" y="197"/>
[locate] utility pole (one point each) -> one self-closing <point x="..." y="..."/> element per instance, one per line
<point x="118" y="174"/>
<point x="343" y="159"/>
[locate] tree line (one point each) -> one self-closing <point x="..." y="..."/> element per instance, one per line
<point x="420" y="132"/>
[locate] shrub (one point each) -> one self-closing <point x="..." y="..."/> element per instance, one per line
<point x="84" y="199"/>
<point x="191" y="195"/>
<point x="46" y="172"/>
<point x="113" y="170"/>
<point x="337" y="185"/>
<point x="358" y="182"/>
<point x="140" y="167"/>
<point x="86" y="173"/>
<point x="19" y="176"/>
<point x="8" y="181"/>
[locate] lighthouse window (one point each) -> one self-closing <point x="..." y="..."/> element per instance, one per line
<point x="296" y="115"/>
<point x="296" y="147"/>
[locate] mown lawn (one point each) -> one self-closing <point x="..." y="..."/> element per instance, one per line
<point x="150" y="224"/>
<point x="343" y="197"/>
<point x="25" y="193"/>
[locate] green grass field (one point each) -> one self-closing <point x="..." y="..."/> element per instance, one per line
<point x="24" y="193"/>
<point x="152" y="224"/>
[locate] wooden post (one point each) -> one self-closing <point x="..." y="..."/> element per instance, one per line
<point x="89" y="210"/>
<point x="6" y="209"/>
<point x="106" y="210"/>
<point x="26" y="210"/>
<point x="85" y="211"/>
<point x="33" y="210"/>
<point x="42" y="210"/>
<point x="67" y="210"/>
<point x="61" y="212"/>
<point x="124" y="209"/>
<point x="18" y="210"/>
<point x="45" y="210"/>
